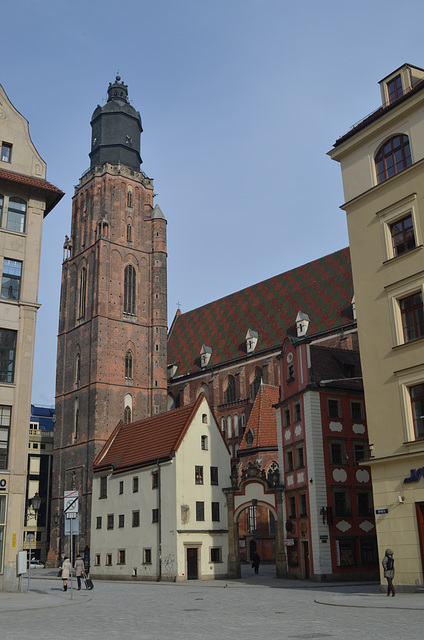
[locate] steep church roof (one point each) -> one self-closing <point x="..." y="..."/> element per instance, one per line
<point x="144" y="442"/>
<point x="261" y="429"/>
<point x="323" y="289"/>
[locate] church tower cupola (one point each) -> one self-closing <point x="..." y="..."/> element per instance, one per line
<point x="116" y="130"/>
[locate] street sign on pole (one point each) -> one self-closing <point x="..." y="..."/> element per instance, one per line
<point x="70" y="510"/>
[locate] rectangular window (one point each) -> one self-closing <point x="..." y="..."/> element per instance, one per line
<point x="341" y="503"/>
<point x="11" y="279"/>
<point x="155" y="515"/>
<point x="290" y="373"/>
<point x="121" y="556"/>
<point x="135" y="484"/>
<point x="121" y="520"/>
<point x="97" y="560"/>
<point x="204" y="443"/>
<point x="7" y="355"/>
<point x="200" y="511"/>
<point x="337" y="453"/>
<point x="103" y="487"/>
<point x="394" y="89"/>
<point x="6" y="152"/>
<point x="147" y="556"/>
<point x="303" y="507"/>
<point x="368" y="549"/>
<point x="289" y="461"/>
<point x="251" y="514"/>
<point x="346" y="556"/>
<point x="300" y="463"/>
<point x="356" y="410"/>
<point x="215" y="512"/>
<point x="99" y="522"/>
<point x="136" y="518"/>
<point x="403" y="237"/>
<point x="359" y="451"/>
<point x="2" y="529"/>
<point x="5" y="416"/>
<point x="365" y="504"/>
<point x="292" y="507"/>
<point x="286" y="417"/>
<point x="198" y="474"/>
<point x="297" y="413"/>
<point x="155" y="480"/>
<point x="108" y="559"/>
<point x="412" y="314"/>
<point x="16" y="214"/>
<point x="121" y="487"/>
<point x="417" y="401"/>
<point x="216" y="554"/>
<point x="110" y="521"/>
<point x="334" y="408"/>
<point x="214" y="475"/>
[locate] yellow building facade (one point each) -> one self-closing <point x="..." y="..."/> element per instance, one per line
<point x="25" y="199"/>
<point x="382" y="163"/>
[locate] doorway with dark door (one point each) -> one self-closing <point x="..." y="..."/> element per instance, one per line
<point x="192" y="569"/>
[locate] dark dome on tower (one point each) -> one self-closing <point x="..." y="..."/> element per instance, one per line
<point x="116" y="130"/>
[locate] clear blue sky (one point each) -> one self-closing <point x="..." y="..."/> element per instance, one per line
<point x="240" y="101"/>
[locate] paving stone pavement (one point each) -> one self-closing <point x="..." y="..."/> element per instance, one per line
<point x="253" y="608"/>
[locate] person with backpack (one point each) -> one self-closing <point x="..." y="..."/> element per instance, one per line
<point x="389" y="571"/>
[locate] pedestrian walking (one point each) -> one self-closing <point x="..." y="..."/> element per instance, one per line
<point x="79" y="570"/>
<point x="389" y="571"/>
<point x="66" y="572"/>
<point x="256" y="560"/>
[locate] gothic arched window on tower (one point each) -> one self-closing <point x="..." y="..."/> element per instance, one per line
<point x="129" y="290"/>
<point x="127" y="414"/>
<point x="230" y="391"/>
<point x="129" y="198"/>
<point x="82" y="293"/>
<point x="129" y="233"/>
<point x="78" y="370"/>
<point x="129" y="366"/>
<point x="256" y="382"/>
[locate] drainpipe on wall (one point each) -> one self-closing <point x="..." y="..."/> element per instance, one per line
<point x="159" y="505"/>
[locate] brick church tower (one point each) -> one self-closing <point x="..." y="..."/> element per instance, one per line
<point x="111" y="361"/>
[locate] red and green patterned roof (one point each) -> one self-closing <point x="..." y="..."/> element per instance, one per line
<point x="323" y="289"/>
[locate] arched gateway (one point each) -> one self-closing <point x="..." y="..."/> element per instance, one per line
<point x="253" y="489"/>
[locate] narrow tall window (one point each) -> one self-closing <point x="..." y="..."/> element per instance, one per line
<point x="393" y="157"/>
<point x="200" y="511"/>
<point x="78" y="370"/>
<point x="11" y="279"/>
<point x="129" y="290"/>
<point x="411" y="309"/>
<point x="214" y="475"/>
<point x="230" y="392"/>
<point x="16" y="214"/>
<point x="6" y="152"/>
<point x="394" y="89"/>
<point x="7" y="355"/>
<point x="129" y="233"/>
<point x="215" y="511"/>
<point x="256" y="382"/>
<point x="198" y="474"/>
<point x="128" y="366"/>
<point x="417" y="400"/>
<point x="127" y="415"/>
<point x="5" y="414"/>
<point x="82" y="293"/>
<point x="403" y="237"/>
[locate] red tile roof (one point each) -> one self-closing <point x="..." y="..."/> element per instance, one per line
<point x="340" y="365"/>
<point x="263" y="420"/>
<point x="144" y="442"/>
<point x="323" y="289"/>
<point x="53" y="194"/>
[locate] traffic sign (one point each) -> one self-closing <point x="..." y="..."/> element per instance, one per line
<point x="70" y="503"/>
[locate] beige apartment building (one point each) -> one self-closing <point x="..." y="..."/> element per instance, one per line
<point x="382" y="163"/>
<point x="25" y="199"/>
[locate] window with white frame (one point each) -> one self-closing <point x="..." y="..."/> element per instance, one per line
<point x="400" y="227"/>
<point x="406" y="309"/>
<point x="11" y="279"/>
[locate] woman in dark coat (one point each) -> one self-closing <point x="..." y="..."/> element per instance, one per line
<point x="389" y="571"/>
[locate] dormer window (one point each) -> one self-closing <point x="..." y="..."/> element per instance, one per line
<point x="394" y="89"/>
<point x="251" y="340"/>
<point x="302" y="324"/>
<point x="250" y="437"/>
<point x="205" y="355"/>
